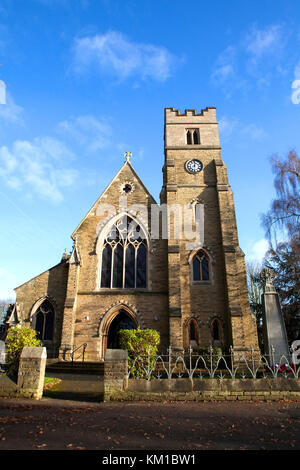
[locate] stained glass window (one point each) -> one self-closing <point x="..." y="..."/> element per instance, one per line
<point x="124" y="256"/>
<point x="200" y="267"/>
<point x="44" y="321"/>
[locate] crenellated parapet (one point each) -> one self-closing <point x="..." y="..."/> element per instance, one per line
<point x="191" y="129"/>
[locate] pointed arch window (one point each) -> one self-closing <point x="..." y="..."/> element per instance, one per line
<point x="124" y="256"/>
<point x="193" y="331"/>
<point x="216" y="332"/>
<point x="196" y="137"/>
<point x="44" y="321"/>
<point x="192" y="136"/>
<point x="189" y="138"/>
<point x="201" y="267"/>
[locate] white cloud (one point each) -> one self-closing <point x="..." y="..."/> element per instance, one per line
<point x="88" y="131"/>
<point x="113" y="53"/>
<point x="265" y="41"/>
<point x="295" y="98"/>
<point x="231" y="126"/>
<point x="224" y="68"/>
<point x="227" y="126"/>
<point x="254" y="131"/>
<point x="262" y="42"/>
<point x="257" y="251"/>
<point x="11" y="112"/>
<point x="37" y="167"/>
<point x="258" y="56"/>
<point x="297" y="71"/>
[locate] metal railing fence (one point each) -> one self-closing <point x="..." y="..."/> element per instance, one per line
<point x="211" y="365"/>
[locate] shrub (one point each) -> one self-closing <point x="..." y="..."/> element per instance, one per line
<point x="142" y="346"/>
<point x="207" y="355"/>
<point x="16" y="340"/>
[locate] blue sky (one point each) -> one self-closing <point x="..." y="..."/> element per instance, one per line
<point x="87" y="80"/>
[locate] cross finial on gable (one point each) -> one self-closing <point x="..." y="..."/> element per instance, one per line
<point x="128" y="156"/>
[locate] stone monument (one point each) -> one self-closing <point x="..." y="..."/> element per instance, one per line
<point x="275" y="337"/>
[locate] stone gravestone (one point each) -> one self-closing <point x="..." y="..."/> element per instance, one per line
<point x="275" y="337"/>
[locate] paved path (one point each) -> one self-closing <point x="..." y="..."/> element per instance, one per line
<point x="59" y="424"/>
<point x="79" y="387"/>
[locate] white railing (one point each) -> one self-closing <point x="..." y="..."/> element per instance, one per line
<point x="189" y="364"/>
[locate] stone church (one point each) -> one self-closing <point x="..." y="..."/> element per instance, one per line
<point x="120" y="274"/>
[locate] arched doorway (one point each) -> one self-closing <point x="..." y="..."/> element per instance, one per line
<point x="123" y="321"/>
<point x="42" y="319"/>
<point x="115" y="319"/>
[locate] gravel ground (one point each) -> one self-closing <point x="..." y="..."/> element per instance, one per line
<point x="51" y="424"/>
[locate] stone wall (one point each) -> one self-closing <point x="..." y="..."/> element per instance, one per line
<point x="115" y="372"/>
<point x="95" y="306"/>
<point x="31" y="375"/>
<point x="225" y="295"/>
<point x="50" y="284"/>
<point x="117" y="386"/>
<point x="210" y="390"/>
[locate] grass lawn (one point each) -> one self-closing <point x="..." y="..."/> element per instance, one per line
<point x="50" y="381"/>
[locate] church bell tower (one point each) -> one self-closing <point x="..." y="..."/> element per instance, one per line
<point x="208" y="296"/>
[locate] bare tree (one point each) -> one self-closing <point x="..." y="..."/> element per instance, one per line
<point x="285" y="209"/>
<point x="6" y="307"/>
<point x="284" y="256"/>
<point x="255" y="289"/>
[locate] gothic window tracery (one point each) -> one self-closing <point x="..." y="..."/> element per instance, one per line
<point x="193" y="331"/>
<point x="216" y="332"/>
<point x="192" y="137"/>
<point x="44" y="321"/>
<point x="124" y="256"/>
<point x="201" y="267"/>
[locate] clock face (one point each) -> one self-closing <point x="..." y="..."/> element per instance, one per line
<point x="194" y="166"/>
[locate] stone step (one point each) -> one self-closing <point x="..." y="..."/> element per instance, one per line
<point x="76" y="386"/>
<point x="94" y="368"/>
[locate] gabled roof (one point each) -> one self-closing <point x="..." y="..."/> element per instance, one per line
<point x="107" y="188"/>
<point x="44" y="272"/>
<point x="75" y="256"/>
<point x="14" y="317"/>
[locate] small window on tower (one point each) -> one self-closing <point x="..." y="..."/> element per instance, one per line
<point x="192" y="137"/>
<point x="189" y="137"/>
<point x="196" y="137"/>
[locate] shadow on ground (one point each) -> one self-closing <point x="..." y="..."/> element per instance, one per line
<point x="76" y="387"/>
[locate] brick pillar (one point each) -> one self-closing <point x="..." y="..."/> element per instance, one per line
<point x="31" y="372"/>
<point x="115" y="372"/>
